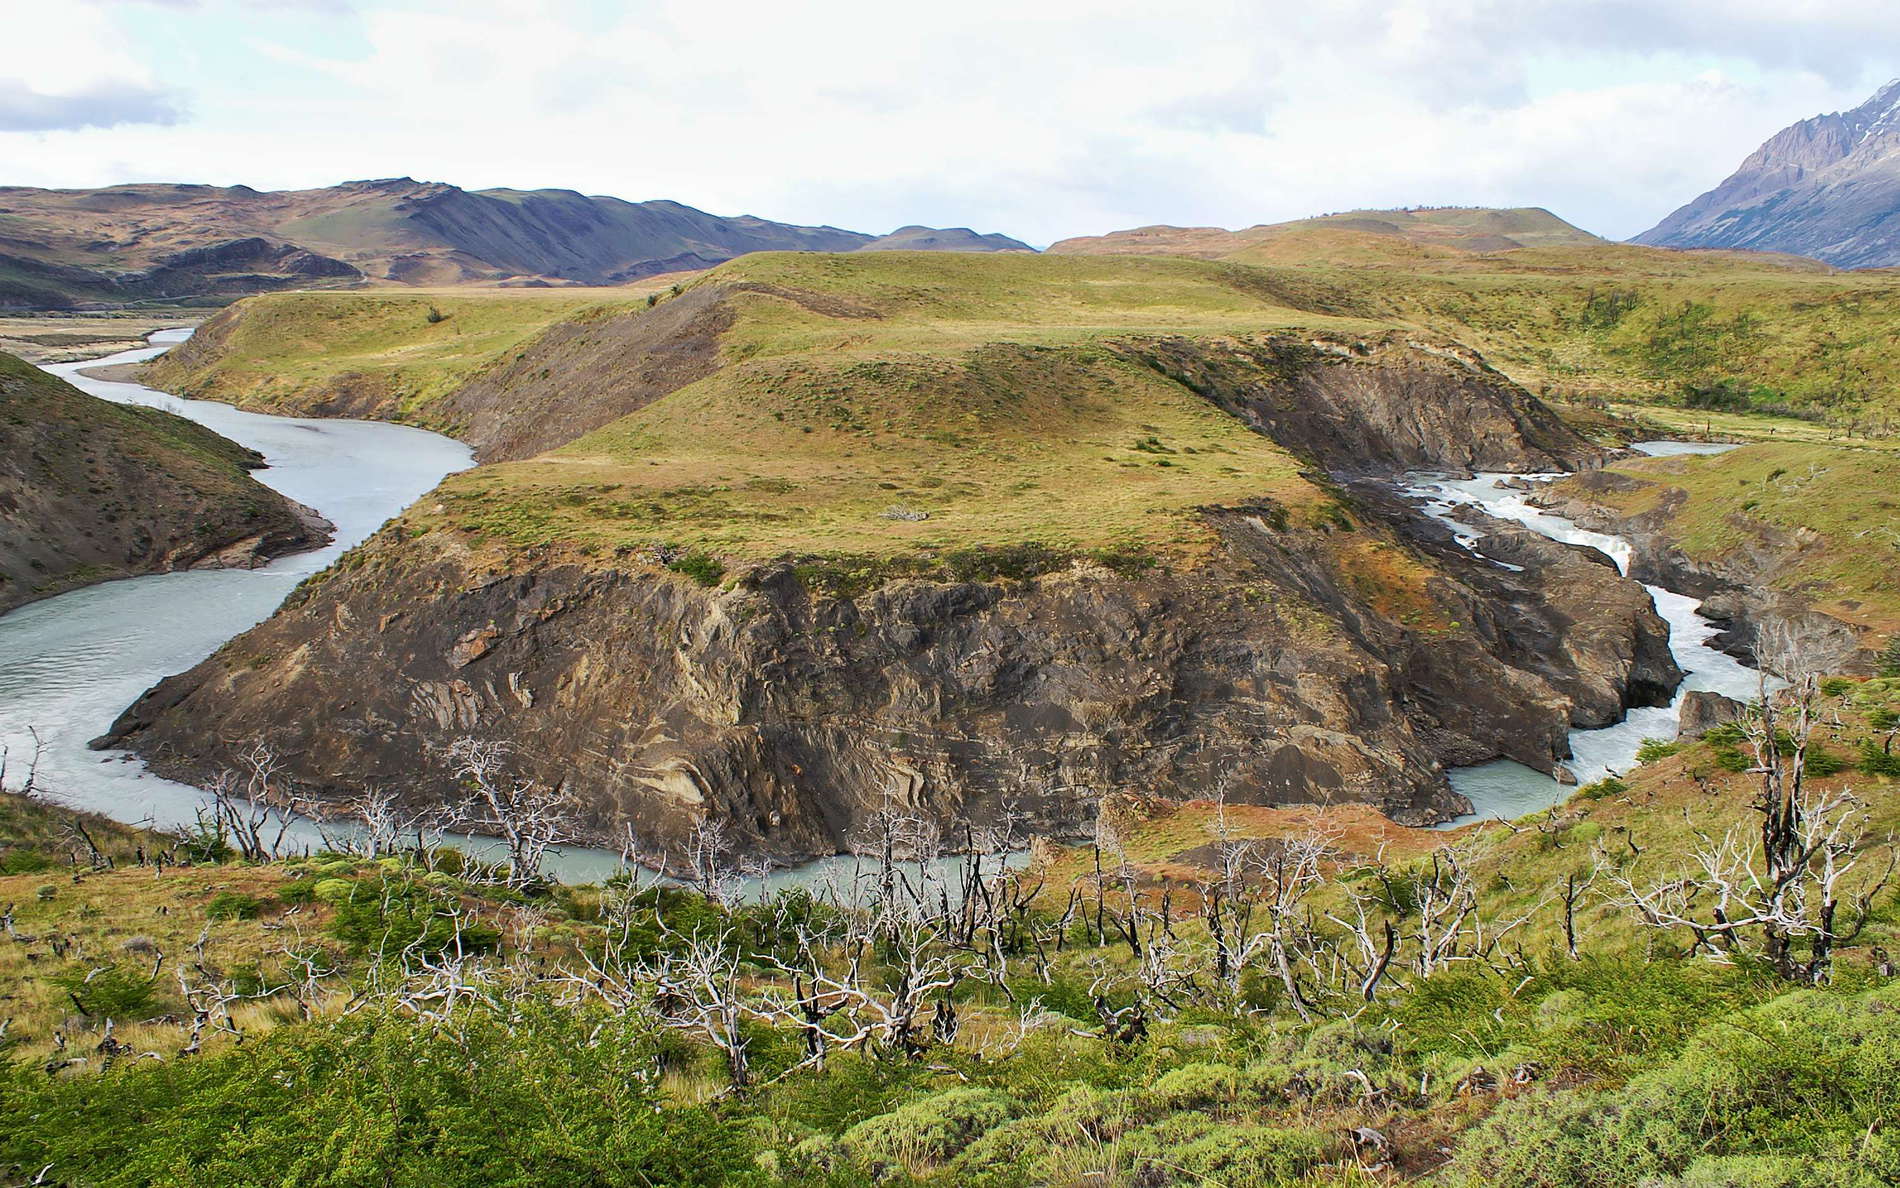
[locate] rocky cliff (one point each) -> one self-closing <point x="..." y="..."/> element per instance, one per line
<point x="1826" y="187"/>
<point x="91" y="490"/>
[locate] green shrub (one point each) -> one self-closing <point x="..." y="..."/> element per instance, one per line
<point x="389" y="916"/>
<point x="1193" y="1087"/>
<point x="333" y="890"/>
<point x="927" y="1131"/>
<point x="1875" y="760"/>
<point x="1653" y="749"/>
<point x="1764" y="1171"/>
<point x="1837" y="686"/>
<point x="22" y="861"/>
<point x="232" y="905"/>
<point x="703" y="568"/>
<point x="1811" y="1075"/>
<point x="1603" y="789"/>
<point x="1821" y="762"/>
<point x="1732" y="758"/>
<point x="1201" y="1149"/>
<point x="1889" y="660"/>
<point x="303" y="890"/>
<point x="539" y="1097"/>
<point x="109" y="992"/>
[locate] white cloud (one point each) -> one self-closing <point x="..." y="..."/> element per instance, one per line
<point x="1042" y="120"/>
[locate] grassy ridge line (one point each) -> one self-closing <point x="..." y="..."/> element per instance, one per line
<point x="374" y="353"/>
<point x="1650" y="325"/>
<point x="1586" y="321"/>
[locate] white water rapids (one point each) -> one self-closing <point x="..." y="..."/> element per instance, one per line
<point x="1503" y="788"/>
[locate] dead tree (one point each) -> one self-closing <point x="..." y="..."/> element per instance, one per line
<point x="1781" y="891"/>
<point x="529" y="817"/>
<point x="250" y="809"/>
<point x="30" y="787"/>
<point x="1575" y="886"/>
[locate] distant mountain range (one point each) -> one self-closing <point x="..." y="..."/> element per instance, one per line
<point x="156" y="242"/>
<point x="1827" y="187"/>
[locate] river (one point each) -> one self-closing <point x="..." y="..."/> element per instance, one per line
<point x="70" y="664"/>
<point x="1503" y="788"/>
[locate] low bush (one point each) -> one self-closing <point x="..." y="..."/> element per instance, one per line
<point x="109" y="992"/>
<point x="542" y="1097"/>
<point x="232" y="905"/>
<point x="1653" y="749"/>
<point x="1731" y="1094"/>
<point x="927" y="1131"/>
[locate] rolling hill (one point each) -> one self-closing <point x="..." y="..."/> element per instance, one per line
<point x="1431" y="231"/>
<point x="819" y="530"/>
<point x="91" y="490"/>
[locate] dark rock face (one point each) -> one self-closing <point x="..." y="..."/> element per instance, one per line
<point x="1375" y="406"/>
<point x="1766" y="627"/>
<point x="1827" y="187"/>
<point x="1702" y="712"/>
<point x="791" y="716"/>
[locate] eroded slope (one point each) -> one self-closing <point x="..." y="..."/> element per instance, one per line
<point x="963" y="532"/>
<point x="91" y="490"/>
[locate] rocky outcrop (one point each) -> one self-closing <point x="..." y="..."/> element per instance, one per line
<point x="91" y="490"/>
<point x="1769" y="628"/>
<point x="1702" y="711"/>
<point x="790" y="715"/>
<point x="1373" y="405"/>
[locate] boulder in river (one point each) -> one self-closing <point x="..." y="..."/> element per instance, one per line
<point x="1703" y="711"/>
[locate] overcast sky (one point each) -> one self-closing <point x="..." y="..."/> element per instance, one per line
<point x="1039" y="118"/>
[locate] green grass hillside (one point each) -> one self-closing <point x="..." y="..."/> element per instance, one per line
<point x="918" y="403"/>
<point x="410" y="1019"/>
<point x="1574" y="319"/>
<point x="387" y="354"/>
<point x="1723" y="331"/>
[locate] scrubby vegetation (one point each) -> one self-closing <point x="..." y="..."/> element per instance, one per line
<point x="1206" y="993"/>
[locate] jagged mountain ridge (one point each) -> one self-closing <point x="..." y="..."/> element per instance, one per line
<point x="1827" y="187"/>
<point x="60" y="248"/>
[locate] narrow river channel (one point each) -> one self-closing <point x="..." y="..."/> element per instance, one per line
<point x="1503" y="788"/>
